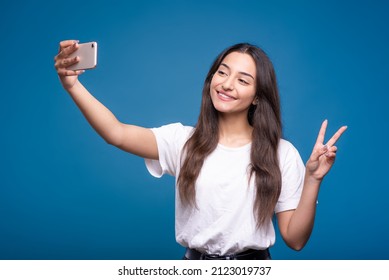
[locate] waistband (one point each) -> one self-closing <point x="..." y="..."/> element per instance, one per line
<point x="192" y="254"/>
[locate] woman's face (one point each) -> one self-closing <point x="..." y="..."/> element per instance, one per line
<point x="233" y="85"/>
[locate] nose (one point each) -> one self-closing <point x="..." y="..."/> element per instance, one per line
<point x="228" y="84"/>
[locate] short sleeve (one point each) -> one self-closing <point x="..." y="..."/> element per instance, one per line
<point x="292" y="172"/>
<point x="170" y="141"/>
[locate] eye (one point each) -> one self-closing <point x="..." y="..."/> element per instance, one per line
<point x="242" y="81"/>
<point x="221" y="72"/>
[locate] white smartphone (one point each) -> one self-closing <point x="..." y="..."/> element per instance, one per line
<point x="87" y="52"/>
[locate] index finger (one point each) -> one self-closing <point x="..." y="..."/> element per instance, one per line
<point x="66" y="48"/>
<point x="66" y="43"/>
<point x="336" y="136"/>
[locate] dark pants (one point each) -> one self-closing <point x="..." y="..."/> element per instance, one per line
<point x="192" y="254"/>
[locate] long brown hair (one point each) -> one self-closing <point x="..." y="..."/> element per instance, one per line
<point x="264" y="117"/>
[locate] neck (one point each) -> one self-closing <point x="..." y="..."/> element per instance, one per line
<point x="234" y="131"/>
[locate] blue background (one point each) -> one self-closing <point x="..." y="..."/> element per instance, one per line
<point x="66" y="194"/>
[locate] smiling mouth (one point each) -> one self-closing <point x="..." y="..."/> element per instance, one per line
<point x="225" y="97"/>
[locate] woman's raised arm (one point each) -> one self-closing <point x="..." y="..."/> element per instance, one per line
<point x="133" y="139"/>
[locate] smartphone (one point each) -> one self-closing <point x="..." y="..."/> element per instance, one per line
<point x="87" y="52"/>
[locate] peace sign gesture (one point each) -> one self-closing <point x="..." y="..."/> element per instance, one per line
<point x="323" y="155"/>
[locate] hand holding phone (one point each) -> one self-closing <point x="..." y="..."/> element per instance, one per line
<point x="87" y="54"/>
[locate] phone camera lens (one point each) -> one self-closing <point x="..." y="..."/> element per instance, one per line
<point x="93" y="45"/>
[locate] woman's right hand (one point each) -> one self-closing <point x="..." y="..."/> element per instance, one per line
<point x="62" y="61"/>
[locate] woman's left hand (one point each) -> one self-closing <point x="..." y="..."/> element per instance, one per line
<point x="323" y="155"/>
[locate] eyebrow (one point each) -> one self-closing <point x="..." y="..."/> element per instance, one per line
<point x="243" y="73"/>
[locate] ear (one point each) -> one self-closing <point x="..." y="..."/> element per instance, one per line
<point x="255" y="101"/>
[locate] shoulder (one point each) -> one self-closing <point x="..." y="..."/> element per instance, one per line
<point x="287" y="152"/>
<point x="173" y="129"/>
<point x="172" y="134"/>
<point x="285" y="146"/>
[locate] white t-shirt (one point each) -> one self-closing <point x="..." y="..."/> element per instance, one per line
<point x="223" y="222"/>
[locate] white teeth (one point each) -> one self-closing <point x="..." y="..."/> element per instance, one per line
<point x="224" y="95"/>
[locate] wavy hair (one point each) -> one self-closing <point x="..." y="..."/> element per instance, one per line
<point x="264" y="117"/>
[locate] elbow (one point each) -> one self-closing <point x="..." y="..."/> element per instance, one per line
<point x="111" y="141"/>
<point x="114" y="141"/>
<point x="114" y="137"/>
<point x="296" y="240"/>
<point x="297" y="246"/>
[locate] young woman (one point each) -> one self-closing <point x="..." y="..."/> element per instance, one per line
<point x="233" y="170"/>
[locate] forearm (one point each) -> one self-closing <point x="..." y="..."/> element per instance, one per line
<point x="301" y="223"/>
<point x="99" y="116"/>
